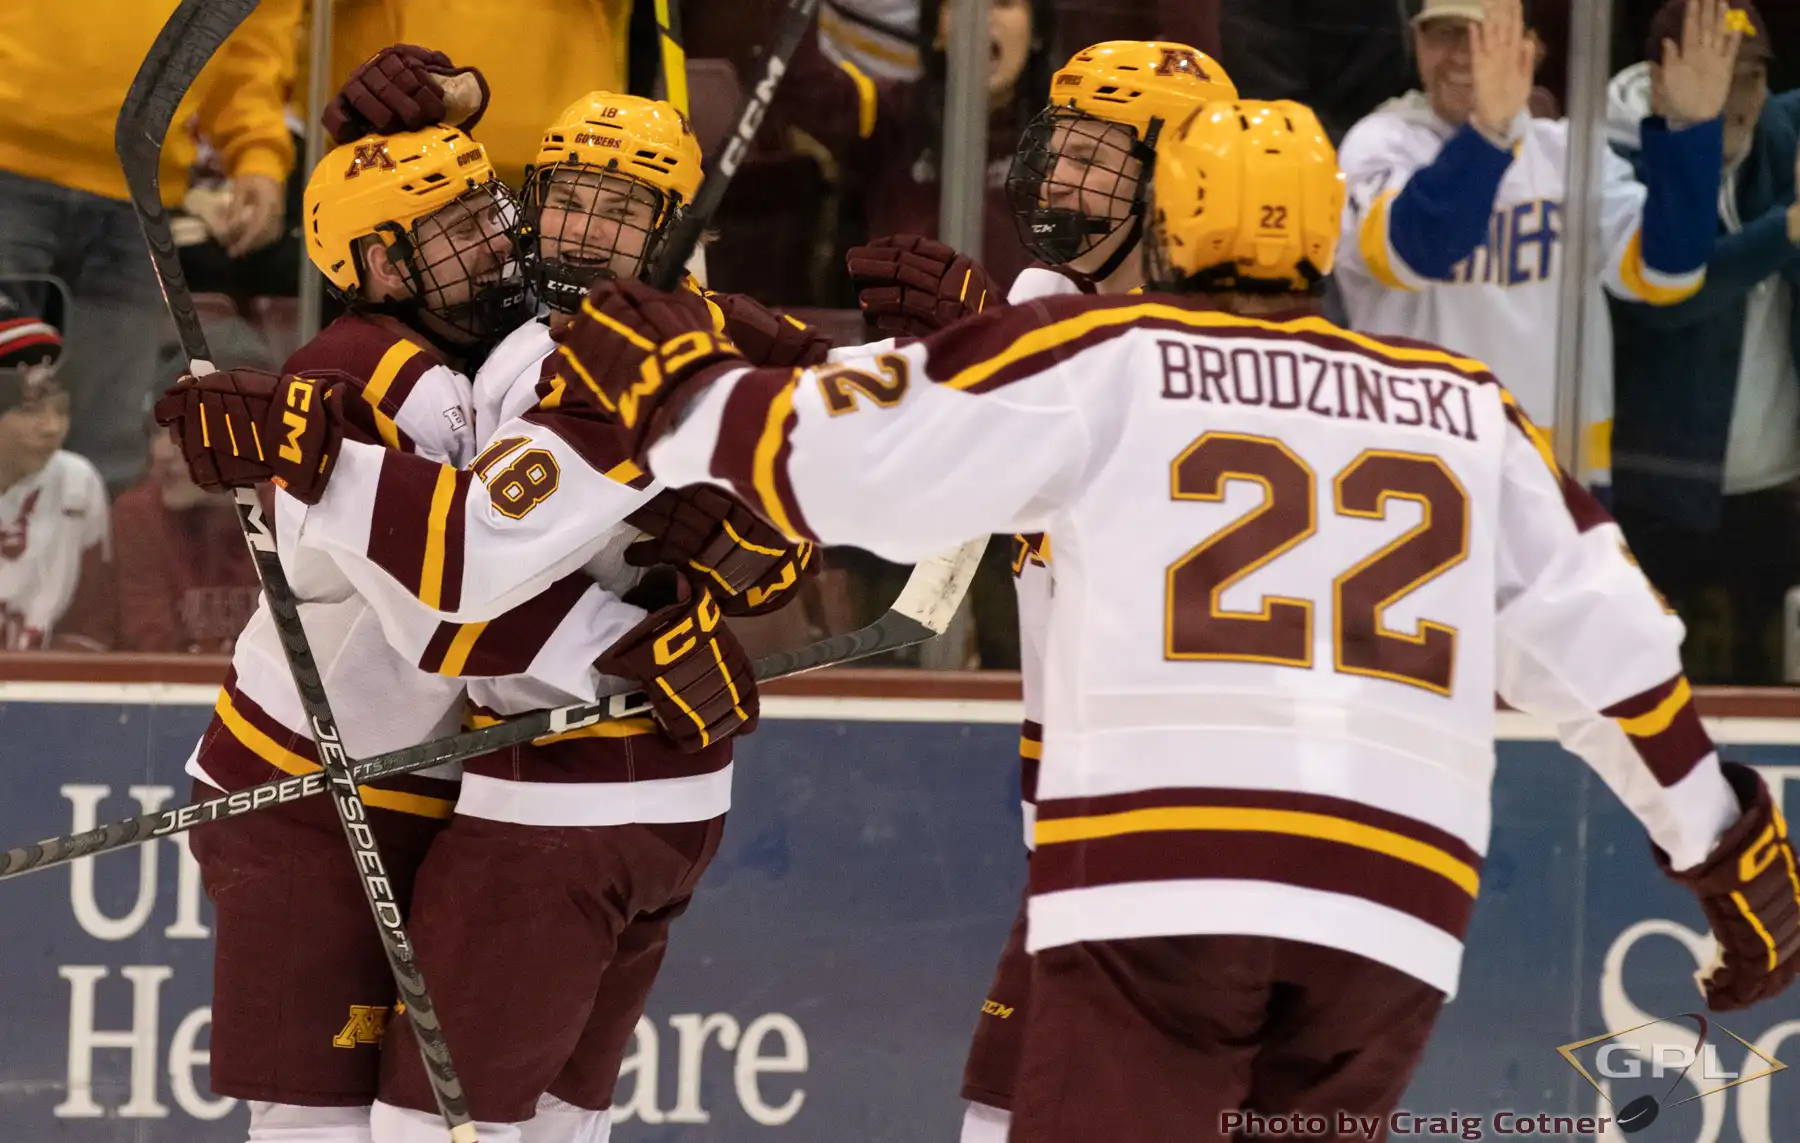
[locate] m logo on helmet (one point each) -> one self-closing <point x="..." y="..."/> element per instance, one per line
<point x="370" y="156"/>
<point x="1181" y="61"/>
<point x="1068" y="81"/>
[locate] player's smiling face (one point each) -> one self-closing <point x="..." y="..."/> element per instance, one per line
<point x="595" y="221"/>
<point x="1447" y="67"/>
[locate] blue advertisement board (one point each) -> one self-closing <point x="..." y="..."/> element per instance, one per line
<point x="824" y="984"/>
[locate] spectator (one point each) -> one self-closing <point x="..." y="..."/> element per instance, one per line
<point x="53" y="528"/>
<point x="64" y="208"/>
<point x="887" y="134"/>
<point x="1453" y="229"/>
<point x="1706" y="445"/>
<point x="183" y="578"/>
<point x="1340" y="57"/>
<point x="537" y="57"/>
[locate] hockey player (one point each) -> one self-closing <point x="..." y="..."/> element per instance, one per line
<point x="1454" y="227"/>
<point x="1293" y="564"/>
<point x="416" y="233"/>
<point x="542" y="912"/>
<point x="1079" y="185"/>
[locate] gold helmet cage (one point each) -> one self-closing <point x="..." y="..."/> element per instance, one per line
<point x="1247" y="198"/>
<point x="611" y="175"/>
<point x="433" y="199"/>
<point x="1082" y="170"/>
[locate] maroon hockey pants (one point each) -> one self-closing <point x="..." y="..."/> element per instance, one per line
<point x="1156" y="1039"/>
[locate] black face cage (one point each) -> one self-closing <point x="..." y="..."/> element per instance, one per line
<point x="1069" y="187"/>
<point x="465" y="262"/>
<point x="590" y="223"/>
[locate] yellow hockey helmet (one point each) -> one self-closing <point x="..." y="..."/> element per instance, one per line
<point x="611" y="174"/>
<point x="1247" y="198"/>
<point x="433" y="198"/>
<point x="1081" y="173"/>
<point x="1137" y="81"/>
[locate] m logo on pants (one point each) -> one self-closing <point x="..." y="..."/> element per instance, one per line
<point x="364" y="1026"/>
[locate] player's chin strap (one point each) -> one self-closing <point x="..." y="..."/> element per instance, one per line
<point x="1117" y="258"/>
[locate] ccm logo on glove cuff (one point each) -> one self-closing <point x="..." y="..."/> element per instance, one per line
<point x="298" y="400"/>
<point x="664" y="648"/>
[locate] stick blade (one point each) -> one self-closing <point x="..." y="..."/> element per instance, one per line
<point x="937" y="586"/>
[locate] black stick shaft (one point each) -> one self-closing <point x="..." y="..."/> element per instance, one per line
<point x="684" y="236"/>
<point x="889" y="633"/>
<point x="194" y="32"/>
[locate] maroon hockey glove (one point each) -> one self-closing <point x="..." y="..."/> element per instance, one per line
<point x="405" y="88"/>
<point x="239" y="427"/>
<point x="1749" y="889"/>
<point x="700" y="683"/>
<point x="724" y="546"/>
<point x="767" y="337"/>
<point x="910" y="286"/>
<point x="630" y="350"/>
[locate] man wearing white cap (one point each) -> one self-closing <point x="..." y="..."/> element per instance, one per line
<point x="1455" y="224"/>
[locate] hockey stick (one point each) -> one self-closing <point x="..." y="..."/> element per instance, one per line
<point x="922" y="610"/>
<point x="684" y="236"/>
<point x="674" y="54"/>
<point x="194" y="32"/>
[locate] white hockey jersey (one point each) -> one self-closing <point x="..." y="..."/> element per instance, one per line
<point x="381" y="700"/>
<point x="507" y="574"/>
<point x="53" y="530"/>
<point x="1293" y="566"/>
<point x="1500" y="302"/>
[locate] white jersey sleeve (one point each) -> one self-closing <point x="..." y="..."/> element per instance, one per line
<point x="905" y="458"/>
<point x="543" y="498"/>
<point x="1585" y="643"/>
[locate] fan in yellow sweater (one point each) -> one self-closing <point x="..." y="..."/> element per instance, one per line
<point x="65" y="66"/>
<point x="68" y="66"/>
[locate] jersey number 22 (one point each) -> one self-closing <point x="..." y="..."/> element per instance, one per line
<point x="1196" y="625"/>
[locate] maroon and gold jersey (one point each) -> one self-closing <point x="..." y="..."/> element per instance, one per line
<point x="416" y="405"/>
<point x="507" y="573"/>
<point x="1293" y="565"/>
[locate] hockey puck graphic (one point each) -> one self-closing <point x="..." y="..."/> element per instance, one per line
<point x="1638" y="1114"/>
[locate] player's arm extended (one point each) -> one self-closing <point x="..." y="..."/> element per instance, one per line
<point x="468" y="545"/>
<point x="1587" y="645"/>
<point x="965" y="433"/>
<point x="1408" y="223"/>
<point x="553" y="637"/>
<point x="1660" y="232"/>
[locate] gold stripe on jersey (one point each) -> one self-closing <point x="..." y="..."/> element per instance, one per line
<point x="1372" y="240"/>
<point x="624" y="472"/>
<point x="461" y="645"/>
<point x="612" y="728"/>
<point x="1237" y="819"/>
<point x="866" y="102"/>
<point x="1662" y="717"/>
<point x="288" y="762"/>
<point x="768" y="448"/>
<point x="1045" y="338"/>
<point x="431" y="571"/>
<point x="1635" y="273"/>
<point x="1030" y="747"/>
<point x="386" y="370"/>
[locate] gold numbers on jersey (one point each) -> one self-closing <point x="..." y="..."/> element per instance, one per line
<point x="522" y="485"/>
<point x="1196" y="625"/>
<point x="839" y="385"/>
